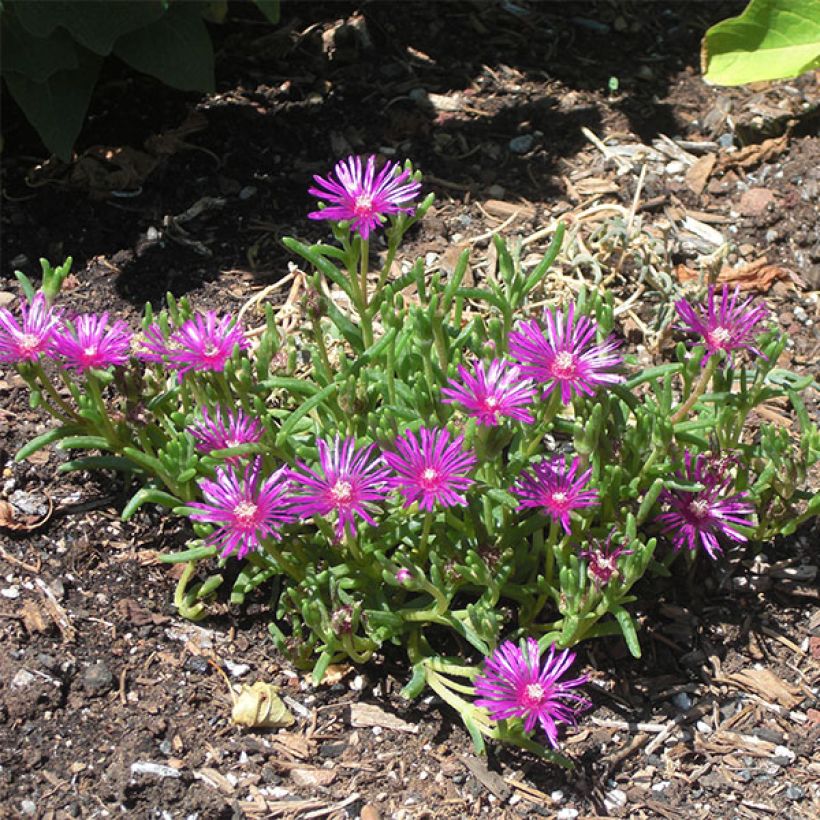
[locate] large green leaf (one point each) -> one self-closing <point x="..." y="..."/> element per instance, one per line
<point x="35" y="57"/>
<point x="176" y="49"/>
<point x="56" y="107"/>
<point x="771" y="40"/>
<point x="96" y="24"/>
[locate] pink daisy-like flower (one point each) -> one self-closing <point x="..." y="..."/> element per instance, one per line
<point x="204" y="343"/>
<point x="350" y="483"/>
<point x="492" y="393"/>
<point x="697" y="517"/>
<point x="151" y="345"/>
<point x="363" y="197"/>
<point x="34" y="336"/>
<point x="556" y="489"/>
<point x="245" y="509"/>
<point x="603" y="561"/>
<point x="566" y="356"/>
<point x="222" y="432"/>
<point x="88" y="342"/>
<point x="726" y="323"/>
<point x="515" y="684"/>
<point x="431" y="469"/>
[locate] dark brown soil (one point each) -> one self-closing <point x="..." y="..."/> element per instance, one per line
<point x="98" y="675"/>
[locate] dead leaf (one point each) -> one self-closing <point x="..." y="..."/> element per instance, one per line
<point x="364" y="715"/>
<point x="259" y="706"/>
<point x="33" y="618"/>
<point x="293" y="745"/>
<point x="492" y="781"/>
<point x="753" y="155"/>
<point x="9" y="519"/>
<point x="764" y="683"/>
<point x="758" y="275"/>
<point x="698" y="174"/>
<point x="335" y="673"/>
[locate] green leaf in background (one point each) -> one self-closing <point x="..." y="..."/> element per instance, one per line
<point x="56" y="107"/>
<point x="270" y="8"/>
<point x="92" y="23"/>
<point x="771" y="40"/>
<point x="35" y="57"/>
<point x="176" y="49"/>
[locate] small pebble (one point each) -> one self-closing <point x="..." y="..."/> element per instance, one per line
<point x="795" y="793"/>
<point x="165" y="747"/>
<point x="247" y="192"/>
<point x="158" y="769"/>
<point x="29" y="807"/>
<point x="746" y="775"/>
<point x="785" y="754"/>
<point x="22" y="679"/>
<point x="497" y="191"/>
<point x="430" y="259"/>
<point x="660" y="787"/>
<point x="682" y="701"/>
<point x="800" y="314"/>
<point x="237" y="670"/>
<point x="567" y="814"/>
<point x="196" y="664"/>
<point x="557" y="796"/>
<point x="98" y="678"/>
<point x="726" y="140"/>
<point x="522" y="144"/>
<point x="10" y="592"/>
<point x="675" y="167"/>
<point x="614" y="800"/>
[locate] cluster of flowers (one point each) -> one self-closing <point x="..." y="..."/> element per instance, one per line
<point x="430" y="467"/>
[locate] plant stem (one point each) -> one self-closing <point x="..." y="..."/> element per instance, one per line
<point x="364" y="311"/>
<point x="697" y="391"/>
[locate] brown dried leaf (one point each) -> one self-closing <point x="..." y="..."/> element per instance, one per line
<point x="758" y="275"/>
<point x="33" y="618"/>
<point x="129" y="610"/>
<point x="312" y="777"/>
<point x="259" y="706"/>
<point x="504" y="210"/>
<point x="753" y="155"/>
<point x="698" y="174"/>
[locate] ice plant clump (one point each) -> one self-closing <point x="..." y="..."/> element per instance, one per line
<point x="603" y="561"/>
<point x="556" y="489"/>
<point x="567" y="357"/>
<point x="431" y="469"/>
<point x="88" y="342"/>
<point x="726" y="324"/>
<point x="245" y="510"/>
<point x="350" y="483"/>
<point x="491" y="393"/>
<point x="363" y="197"/>
<point x="204" y="343"/>
<point x="698" y="517"/>
<point x="34" y="336"/>
<point x="514" y="683"/>
<point x="222" y="432"/>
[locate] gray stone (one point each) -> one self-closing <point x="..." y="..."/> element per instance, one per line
<point x="196" y="664"/>
<point x="157" y="769"/>
<point x="98" y="678"/>
<point x="522" y="144"/>
<point x="28" y="503"/>
<point x="29" y="807"/>
<point x="795" y="793"/>
<point x="22" y="679"/>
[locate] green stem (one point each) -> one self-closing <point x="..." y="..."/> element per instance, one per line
<point x="95" y="391"/>
<point x="367" y="320"/>
<point x="424" y="548"/>
<point x="697" y="391"/>
<point x="67" y="412"/>
<point x="549" y="553"/>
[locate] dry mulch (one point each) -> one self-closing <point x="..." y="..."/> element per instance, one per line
<point x="112" y="704"/>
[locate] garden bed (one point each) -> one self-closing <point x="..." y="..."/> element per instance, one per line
<point x="109" y="700"/>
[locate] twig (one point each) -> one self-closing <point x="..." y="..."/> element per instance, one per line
<point x="59" y="615"/>
<point x="687" y="717"/>
<point x="35" y="568"/>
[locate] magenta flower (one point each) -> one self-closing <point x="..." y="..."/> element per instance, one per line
<point x="34" y="336"/>
<point x="245" y="509"/>
<point x="698" y="517"/>
<point x="152" y="346"/>
<point x="556" y="489"/>
<point x="514" y="684"/>
<point x="603" y="561"/>
<point x="403" y="575"/>
<point x="350" y="483"/>
<point x="363" y="197"/>
<point x="222" y="432"/>
<point x="725" y="324"/>
<point x="492" y="393"/>
<point x="566" y="357"/>
<point x="204" y="344"/>
<point x="88" y="342"/>
<point x="431" y="470"/>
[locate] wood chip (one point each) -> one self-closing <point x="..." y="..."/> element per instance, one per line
<point x="753" y="155"/>
<point x="698" y="174"/>
<point x="491" y="781"/>
<point x="365" y="715"/>
<point x="766" y="684"/>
